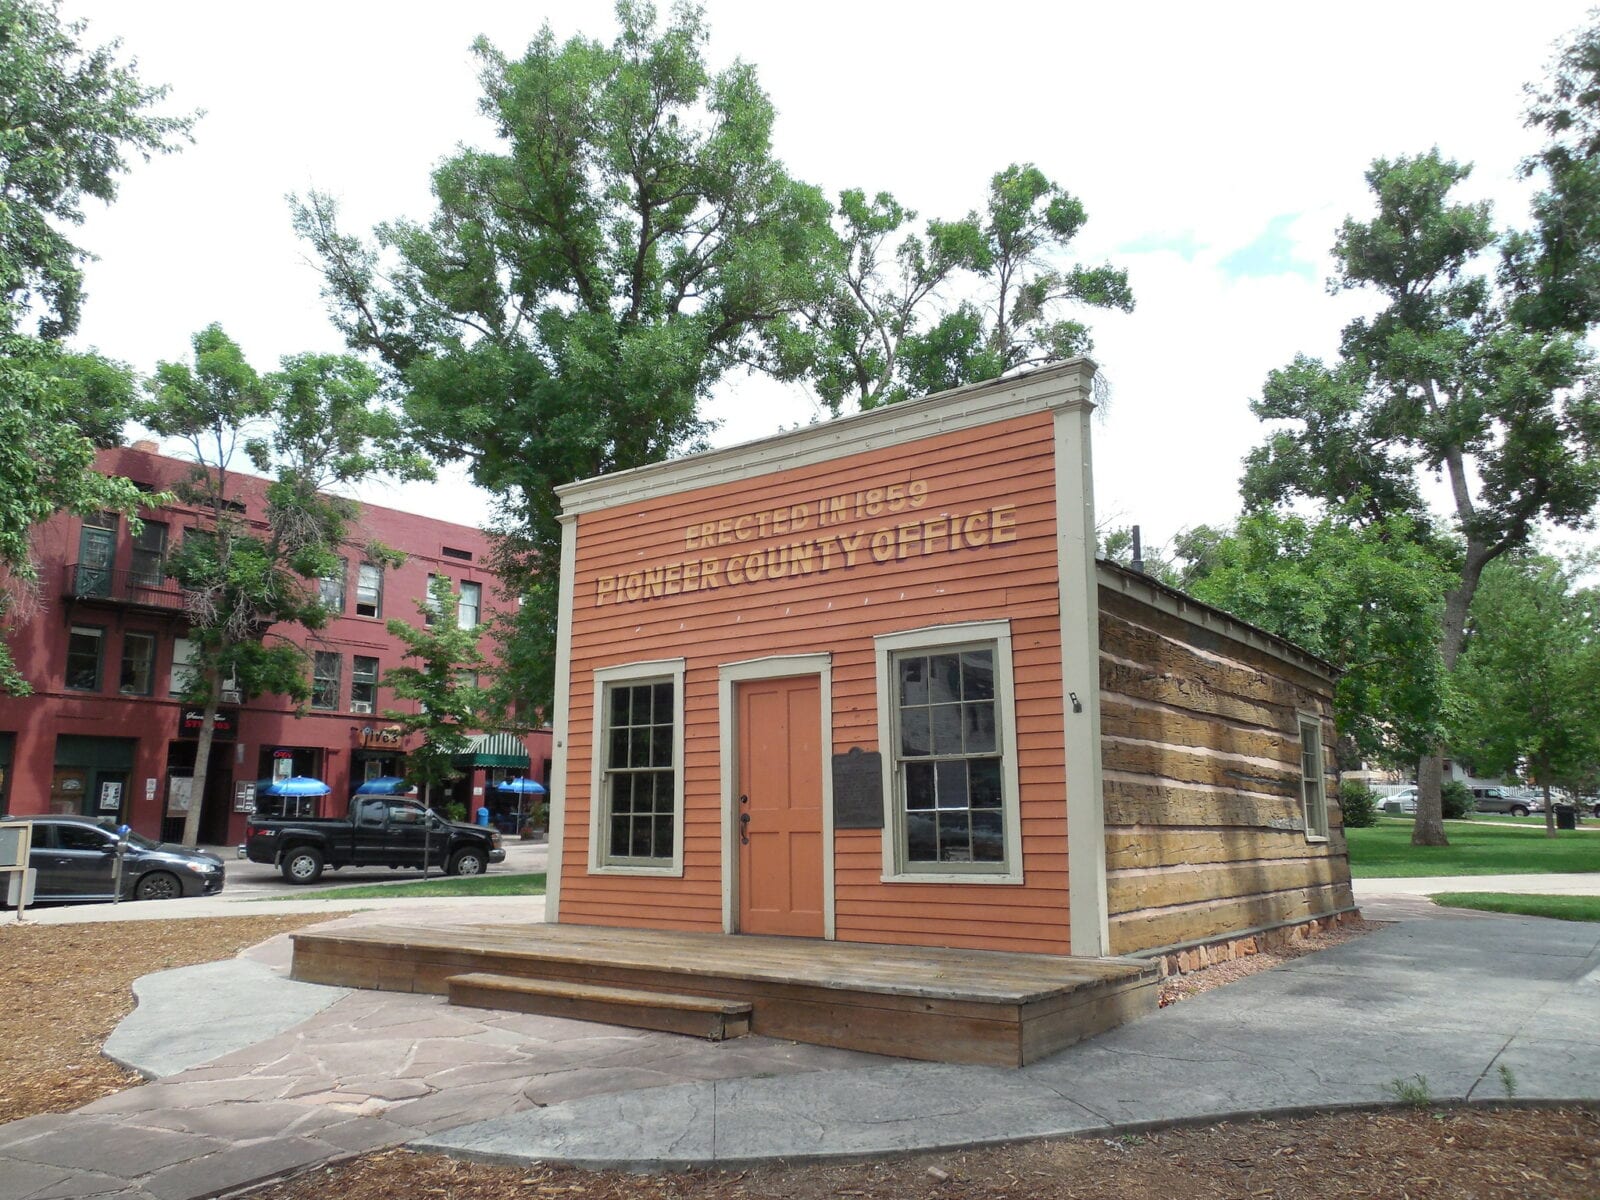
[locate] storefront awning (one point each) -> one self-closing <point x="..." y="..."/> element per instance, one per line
<point x="494" y="750"/>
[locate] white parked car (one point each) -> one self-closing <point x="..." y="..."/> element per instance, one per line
<point x="1402" y="803"/>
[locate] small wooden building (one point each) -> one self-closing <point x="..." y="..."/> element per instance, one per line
<point x="866" y="681"/>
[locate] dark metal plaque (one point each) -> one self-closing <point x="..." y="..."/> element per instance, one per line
<point x="858" y="789"/>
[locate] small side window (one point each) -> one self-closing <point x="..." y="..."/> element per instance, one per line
<point x="1312" y="795"/>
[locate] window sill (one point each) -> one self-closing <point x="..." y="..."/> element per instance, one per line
<point x="1002" y="878"/>
<point x="1317" y="839"/>
<point x="669" y="870"/>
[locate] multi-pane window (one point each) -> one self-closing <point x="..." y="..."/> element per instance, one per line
<point x="948" y="757"/>
<point x="430" y="605"/>
<point x="331" y="587"/>
<point x="369" y="590"/>
<point x="946" y="729"/>
<point x="325" y="680"/>
<point x="138" y="663"/>
<point x="470" y="605"/>
<point x="185" y="672"/>
<point x="1312" y="794"/>
<point x="83" y="657"/>
<point x="639" y="783"/>
<point x="149" y="562"/>
<point x="363" y="684"/>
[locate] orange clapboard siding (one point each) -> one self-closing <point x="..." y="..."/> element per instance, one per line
<point x="738" y="571"/>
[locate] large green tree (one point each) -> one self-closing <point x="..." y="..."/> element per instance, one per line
<point x="1528" y="683"/>
<point x="628" y="240"/>
<point x="961" y="301"/>
<point x="71" y="118"/>
<point x="1446" y="380"/>
<point x="442" y="674"/>
<point x="315" y="429"/>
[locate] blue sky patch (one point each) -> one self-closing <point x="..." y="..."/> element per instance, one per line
<point x="1273" y="253"/>
<point x="1184" y="245"/>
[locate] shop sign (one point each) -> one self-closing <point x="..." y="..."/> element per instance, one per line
<point x="381" y="737"/>
<point x="191" y="718"/>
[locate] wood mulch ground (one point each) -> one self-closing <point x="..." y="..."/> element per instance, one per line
<point x="1410" y="1155"/>
<point x="64" y="987"/>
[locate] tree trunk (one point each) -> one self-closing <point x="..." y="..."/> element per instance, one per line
<point x="1429" y="829"/>
<point x="202" y="759"/>
<point x="1549" y="810"/>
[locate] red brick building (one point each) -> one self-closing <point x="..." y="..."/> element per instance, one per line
<point x="105" y="733"/>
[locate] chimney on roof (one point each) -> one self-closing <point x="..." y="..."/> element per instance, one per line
<point x="146" y="445"/>
<point x="1138" y="555"/>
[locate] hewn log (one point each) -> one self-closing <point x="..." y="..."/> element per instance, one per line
<point x="1120" y="719"/>
<point x="1161" y="802"/>
<point x="1133" y="849"/>
<point x="1163" y="888"/>
<point x="1187" y="766"/>
<point x="1148" y="930"/>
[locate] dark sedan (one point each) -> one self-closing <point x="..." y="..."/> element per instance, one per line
<point x="76" y="858"/>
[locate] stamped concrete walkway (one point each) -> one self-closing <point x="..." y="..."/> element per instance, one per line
<point x="285" y="1075"/>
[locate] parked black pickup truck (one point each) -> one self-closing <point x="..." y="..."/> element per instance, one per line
<point x="380" y="831"/>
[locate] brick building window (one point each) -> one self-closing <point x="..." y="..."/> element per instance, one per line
<point x="325" y="672"/>
<point x="138" y="664"/>
<point x="469" y="607"/>
<point x="84" y="645"/>
<point x="363" y="684"/>
<point x="150" y="554"/>
<point x="369" y="590"/>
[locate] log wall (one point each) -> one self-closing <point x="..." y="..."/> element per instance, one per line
<point x="1205" y="830"/>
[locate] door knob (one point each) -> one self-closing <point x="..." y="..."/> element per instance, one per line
<point x="744" y="837"/>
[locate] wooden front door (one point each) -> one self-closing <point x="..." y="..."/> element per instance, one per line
<point x="779" y="806"/>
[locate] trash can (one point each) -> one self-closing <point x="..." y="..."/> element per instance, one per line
<point x="483" y="816"/>
<point x="1566" y="816"/>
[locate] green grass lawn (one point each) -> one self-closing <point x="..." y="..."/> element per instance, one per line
<point x="1476" y="848"/>
<point x="476" y="885"/>
<point x="1562" y="908"/>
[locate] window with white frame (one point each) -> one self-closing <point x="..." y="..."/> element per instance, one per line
<point x="363" y="684"/>
<point x="325" y="671"/>
<point x="949" y="750"/>
<point x="1313" y="796"/>
<point x="430" y="603"/>
<point x="470" y="605"/>
<point x="369" y="590"/>
<point x="185" y="668"/>
<point x="331" y="586"/>
<point x="637" y="768"/>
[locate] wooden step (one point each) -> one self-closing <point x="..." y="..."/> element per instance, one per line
<point x="697" y="1016"/>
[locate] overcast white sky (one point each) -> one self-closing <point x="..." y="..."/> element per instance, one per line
<point x="1216" y="148"/>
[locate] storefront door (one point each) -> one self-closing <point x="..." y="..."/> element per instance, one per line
<point x="779" y="807"/>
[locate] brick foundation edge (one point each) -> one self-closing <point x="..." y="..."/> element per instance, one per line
<point x="1180" y="961"/>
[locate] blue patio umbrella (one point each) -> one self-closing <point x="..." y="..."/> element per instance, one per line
<point x="295" y="785"/>
<point x="520" y="788"/>
<point x="384" y="785"/>
<point x="526" y="787"/>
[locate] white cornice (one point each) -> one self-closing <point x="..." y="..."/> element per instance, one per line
<point x="1064" y="385"/>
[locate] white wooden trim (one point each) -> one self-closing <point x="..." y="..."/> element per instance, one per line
<point x="563" y="698"/>
<point x="1314" y="720"/>
<point x="1089" y="921"/>
<point x="635" y="672"/>
<point x="1064" y="385"/>
<point x="933" y="638"/>
<point x="784" y="666"/>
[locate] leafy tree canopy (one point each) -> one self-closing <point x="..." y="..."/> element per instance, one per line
<point x="1528" y="683"/>
<point x="1365" y="595"/>
<point x="1446" y="379"/>
<point x="315" y="429"/>
<point x="442" y="675"/>
<point x="70" y="118"/>
<point x="876" y="337"/>
<point x="580" y="287"/>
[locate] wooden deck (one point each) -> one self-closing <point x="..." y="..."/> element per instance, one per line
<point x="940" y="1005"/>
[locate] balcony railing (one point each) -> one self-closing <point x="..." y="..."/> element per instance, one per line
<point x="80" y="581"/>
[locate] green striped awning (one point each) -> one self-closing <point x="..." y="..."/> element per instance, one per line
<point x="495" y="750"/>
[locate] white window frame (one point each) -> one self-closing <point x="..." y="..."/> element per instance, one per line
<point x="318" y="657"/>
<point x="377" y="590"/>
<point x="356" y="680"/>
<point x="658" y="671"/>
<point x="475" y="608"/>
<point x="430" y="610"/>
<point x="936" y="639"/>
<point x="184" y="653"/>
<point x="1313" y="805"/>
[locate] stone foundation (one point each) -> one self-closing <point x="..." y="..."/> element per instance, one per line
<point x="1195" y="958"/>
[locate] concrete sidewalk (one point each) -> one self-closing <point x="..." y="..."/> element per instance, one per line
<point x="284" y="1075"/>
